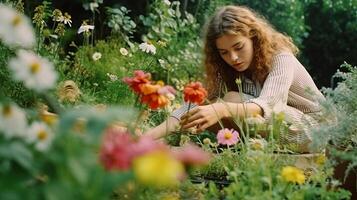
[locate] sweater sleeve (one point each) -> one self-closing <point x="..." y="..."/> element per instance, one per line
<point x="274" y="94"/>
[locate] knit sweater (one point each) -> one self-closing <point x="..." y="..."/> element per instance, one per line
<point x="288" y="88"/>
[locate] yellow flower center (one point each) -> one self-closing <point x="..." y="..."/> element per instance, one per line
<point x="35" y="67"/>
<point x="228" y="135"/>
<point x="42" y="135"/>
<point x="16" y="21"/>
<point x="6" y="111"/>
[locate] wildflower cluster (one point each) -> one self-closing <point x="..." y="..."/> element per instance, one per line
<point x="154" y="94"/>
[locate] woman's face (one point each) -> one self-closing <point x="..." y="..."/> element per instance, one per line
<point x="236" y="51"/>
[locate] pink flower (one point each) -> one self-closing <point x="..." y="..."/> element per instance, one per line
<point x="116" y="150"/>
<point x="192" y="155"/>
<point x="146" y="144"/>
<point x="227" y="137"/>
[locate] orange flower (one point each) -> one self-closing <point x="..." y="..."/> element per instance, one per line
<point x="140" y="78"/>
<point x="156" y="96"/>
<point x="194" y="93"/>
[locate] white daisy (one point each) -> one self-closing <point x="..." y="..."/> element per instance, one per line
<point x="85" y="28"/>
<point x="13" y="121"/>
<point x="148" y="48"/>
<point x="15" y="28"/>
<point x="67" y="19"/>
<point x="37" y="73"/>
<point x="96" y="56"/>
<point x="123" y="51"/>
<point x="41" y="135"/>
<point x="167" y="2"/>
<point x="257" y="144"/>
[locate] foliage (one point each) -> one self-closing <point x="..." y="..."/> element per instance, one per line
<point x="340" y="109"/>
<point x="287" y="16"/>
<point x="120" y="23"/>
<point x="332" y="35"/>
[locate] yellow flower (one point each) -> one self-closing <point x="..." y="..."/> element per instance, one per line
<point x="158" y="169"/>
<point x="293" y="174"/>
<point x="320" y="160"/>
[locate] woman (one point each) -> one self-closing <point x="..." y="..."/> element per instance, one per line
<point x="241" y="44"/>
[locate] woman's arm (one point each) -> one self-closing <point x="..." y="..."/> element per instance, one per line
<point x="205" y="116"/>
<point x="166" y="127"/>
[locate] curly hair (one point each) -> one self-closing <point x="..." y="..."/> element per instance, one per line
<point x="240" y="20"/>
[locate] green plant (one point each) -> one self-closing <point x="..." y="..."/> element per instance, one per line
<point x="121" y="24"/>
<point x="340" y="109"/>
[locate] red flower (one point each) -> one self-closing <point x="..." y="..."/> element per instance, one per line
<point x="195" y="93"/>
<point x="140" y="78"/>
<point x="156" y="96"/>
<point x="116" y="150"/>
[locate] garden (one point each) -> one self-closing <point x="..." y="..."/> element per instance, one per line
<point x="82" y="81"/>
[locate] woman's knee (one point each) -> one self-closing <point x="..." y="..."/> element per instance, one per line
<point x="232" y="97"/>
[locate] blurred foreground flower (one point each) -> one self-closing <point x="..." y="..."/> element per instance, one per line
<point x="40" y="134"/>
<point x="13" y="121"/>
<point x="37" y="73"/>
<point x="116" y="150"/>
<point x="195" y="93"/>
<point x="227" y="137"/>
<point x="192" y="155"/>
<point x="158" y="169"/>
<point x="148" y="48"/>
<point x="293" y="174"/>
<point x="15" y="28"/>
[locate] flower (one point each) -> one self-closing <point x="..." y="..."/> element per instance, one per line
<point x="96" y="56"/>
<point x="67" y="19"/>
<point x="257" y="144"/>
<point x="140" y="78"/>
<point x="191" y="155"/>
<point x="37" y="73"/>
<point x="148" y="48"/>
<point x="85" y="28"/>
<point x="68" y="91"/>
<point x="293" y="174"/>
<point x="116" y="150"/>
<point x="195" y="93"/>
<point x="207" y="141"/>
<point x="40" y="134"/>
<point x="167" y="2"/>
<point x="123" y="51"/>
<point x="112" y="77"/>
<point x="146" y="144"/>
<point x="227" y="137"/>
<point x="156" y="95"/>
<point x="12" y="121"/>
<point x="15" y="28"/>
<point x="158" y="169"/>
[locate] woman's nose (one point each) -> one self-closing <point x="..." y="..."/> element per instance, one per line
<point x="234" y="57"/>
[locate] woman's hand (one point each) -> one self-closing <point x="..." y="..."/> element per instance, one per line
<point x="202" y="117"/>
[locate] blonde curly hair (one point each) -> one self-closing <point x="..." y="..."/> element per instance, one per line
<point x="240" y="20"/>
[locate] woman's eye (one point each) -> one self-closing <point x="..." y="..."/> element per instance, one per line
<point x="239" y="48"/>
<point x="223" y="53"/>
